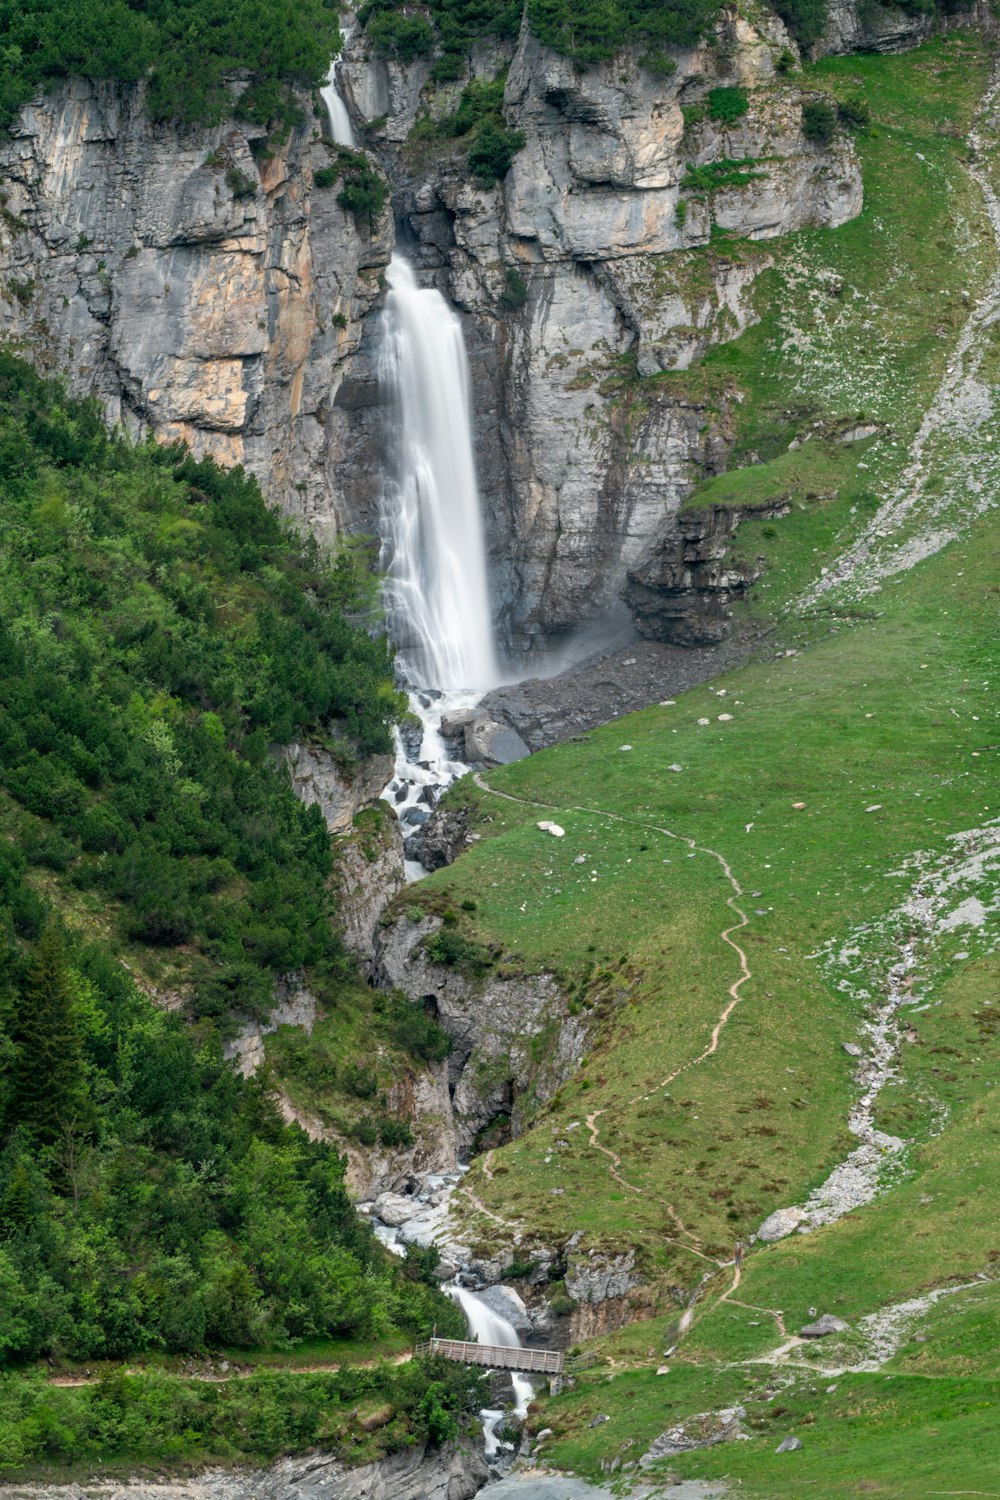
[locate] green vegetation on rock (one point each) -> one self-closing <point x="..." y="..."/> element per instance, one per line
<point x="162" y="631"/>
<point x="186" y="48"/>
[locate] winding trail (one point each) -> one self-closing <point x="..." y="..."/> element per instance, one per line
<point x="734" y="995"/>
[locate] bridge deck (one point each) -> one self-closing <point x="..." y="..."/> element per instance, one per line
<point x="495" y="1356"/>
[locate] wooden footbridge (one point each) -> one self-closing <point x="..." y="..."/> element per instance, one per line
<point x="496" y="1356"/>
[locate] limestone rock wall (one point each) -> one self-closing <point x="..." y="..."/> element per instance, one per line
<point x="198" y="283"/>
<point x="202" y="285"/>
<point x="588" y="270"/>
<point x="455" y="1471"/>
<point x="514" y="1039"/>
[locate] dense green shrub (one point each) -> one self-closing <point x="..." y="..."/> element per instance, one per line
<point x="511" y="299"/>
<point x="160" y="628"/>
<point x="364" y="191"/>
<point x="588" y="31"/>
<point x="184" y="47"/>
<point x="492" y="152"/>
<point x="854" y="112"/>
<point x="155" y="1418"/>
<point x="819" y="121"/>
<point x="805" y="19"/>
<point x="727" y="105"/>
<point x="150" y="1198"/>
<point x="404" y="37"/>
<point x="450" y="947"/>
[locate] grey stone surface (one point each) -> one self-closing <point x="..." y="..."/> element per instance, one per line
<point x="704" y="1430"/>
<point x="684" y="590"/>
<point x="822" y="1326"/>
<point x="191" y="310"/>
<point x="453" y="1472"/>
<point x="368" y="873"/>
<point x="788" y="1445"/>
<point x="489" y="743"/>
<point x="339" y="795"/>
<point x="492" y="1021"/>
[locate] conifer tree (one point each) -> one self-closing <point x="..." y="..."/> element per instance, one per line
<point x="48" y="1069"/>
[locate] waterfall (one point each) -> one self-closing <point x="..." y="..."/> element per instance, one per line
<point x="336" y="109"/>
<point x="438" y="593"/>
<point x="490" y="1328"/>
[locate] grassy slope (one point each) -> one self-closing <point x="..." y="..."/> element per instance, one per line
<point x="890" y="707"/>
<point x="857" y="322"/>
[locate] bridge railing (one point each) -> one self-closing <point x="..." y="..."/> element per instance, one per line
<point x="495" y="1356"/>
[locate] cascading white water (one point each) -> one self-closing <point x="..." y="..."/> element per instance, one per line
<point x="340" y="121"/>
<point x="490" y="1328"/>
<point x="438" y="593"/>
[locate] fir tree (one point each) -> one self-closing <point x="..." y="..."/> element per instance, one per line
<point x="48" y="1069"/>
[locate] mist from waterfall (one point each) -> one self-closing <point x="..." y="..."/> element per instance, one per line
<point x="437" y="596"/>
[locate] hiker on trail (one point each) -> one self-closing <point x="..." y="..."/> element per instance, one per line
<point x="738" y="1255"/>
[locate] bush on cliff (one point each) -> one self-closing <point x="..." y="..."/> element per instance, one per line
<point x="184" y="47"/>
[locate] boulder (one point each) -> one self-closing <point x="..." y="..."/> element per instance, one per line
<point x="783" y="1221"/>
<point x="504" y="1301"/>
<point x="490" y="743"/>
<point x="394" y="1209"/>
<point x="823" y="1326"/>
<point x="788" y="1445"/>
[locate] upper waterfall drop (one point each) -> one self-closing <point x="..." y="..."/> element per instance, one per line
<point x="438" y="592"/>
<point x="340" y="121"/>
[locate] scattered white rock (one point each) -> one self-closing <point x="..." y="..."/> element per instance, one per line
<point x="624" y="747"/>
<point x="875" y="807"/>
<point x="725" y="718"/>
<point x="552" y="828"/>
<point x="788" y="1445"/>
<point x="663" y="1370"/>
<point x="852" y="1049"/>
<point x="704" y="721"/>
<point x="675" y="767"/>
<point x="798" y="806"/>
<point x="783" y="1221"/>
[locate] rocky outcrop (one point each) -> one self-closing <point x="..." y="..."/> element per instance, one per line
<point x="424" y="1100"/>
<point x="684" y="590"/>
<point x="452" y="1472"/>
<point x="514" y="1041"/>
<point x="609" y="1291"/>
<point x="369" y="872"/>
<point x="340" y="794"/>
<point x="199" y="284"/>
<point x="442" y="838"/>
<point x="870" y="27"/>
<point x="296" y="1006"/>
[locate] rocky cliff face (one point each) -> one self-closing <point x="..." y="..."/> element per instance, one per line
<point x="514" y="1039"/>
<point x="599" y="236"/>
<point x="453" y="1472"/>
<point x="196" y="281"/>
<point x="683" y="591"/>
<point x="205" y="288"/>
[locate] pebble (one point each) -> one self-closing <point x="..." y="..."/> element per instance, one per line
<point x="798" y="806"/>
